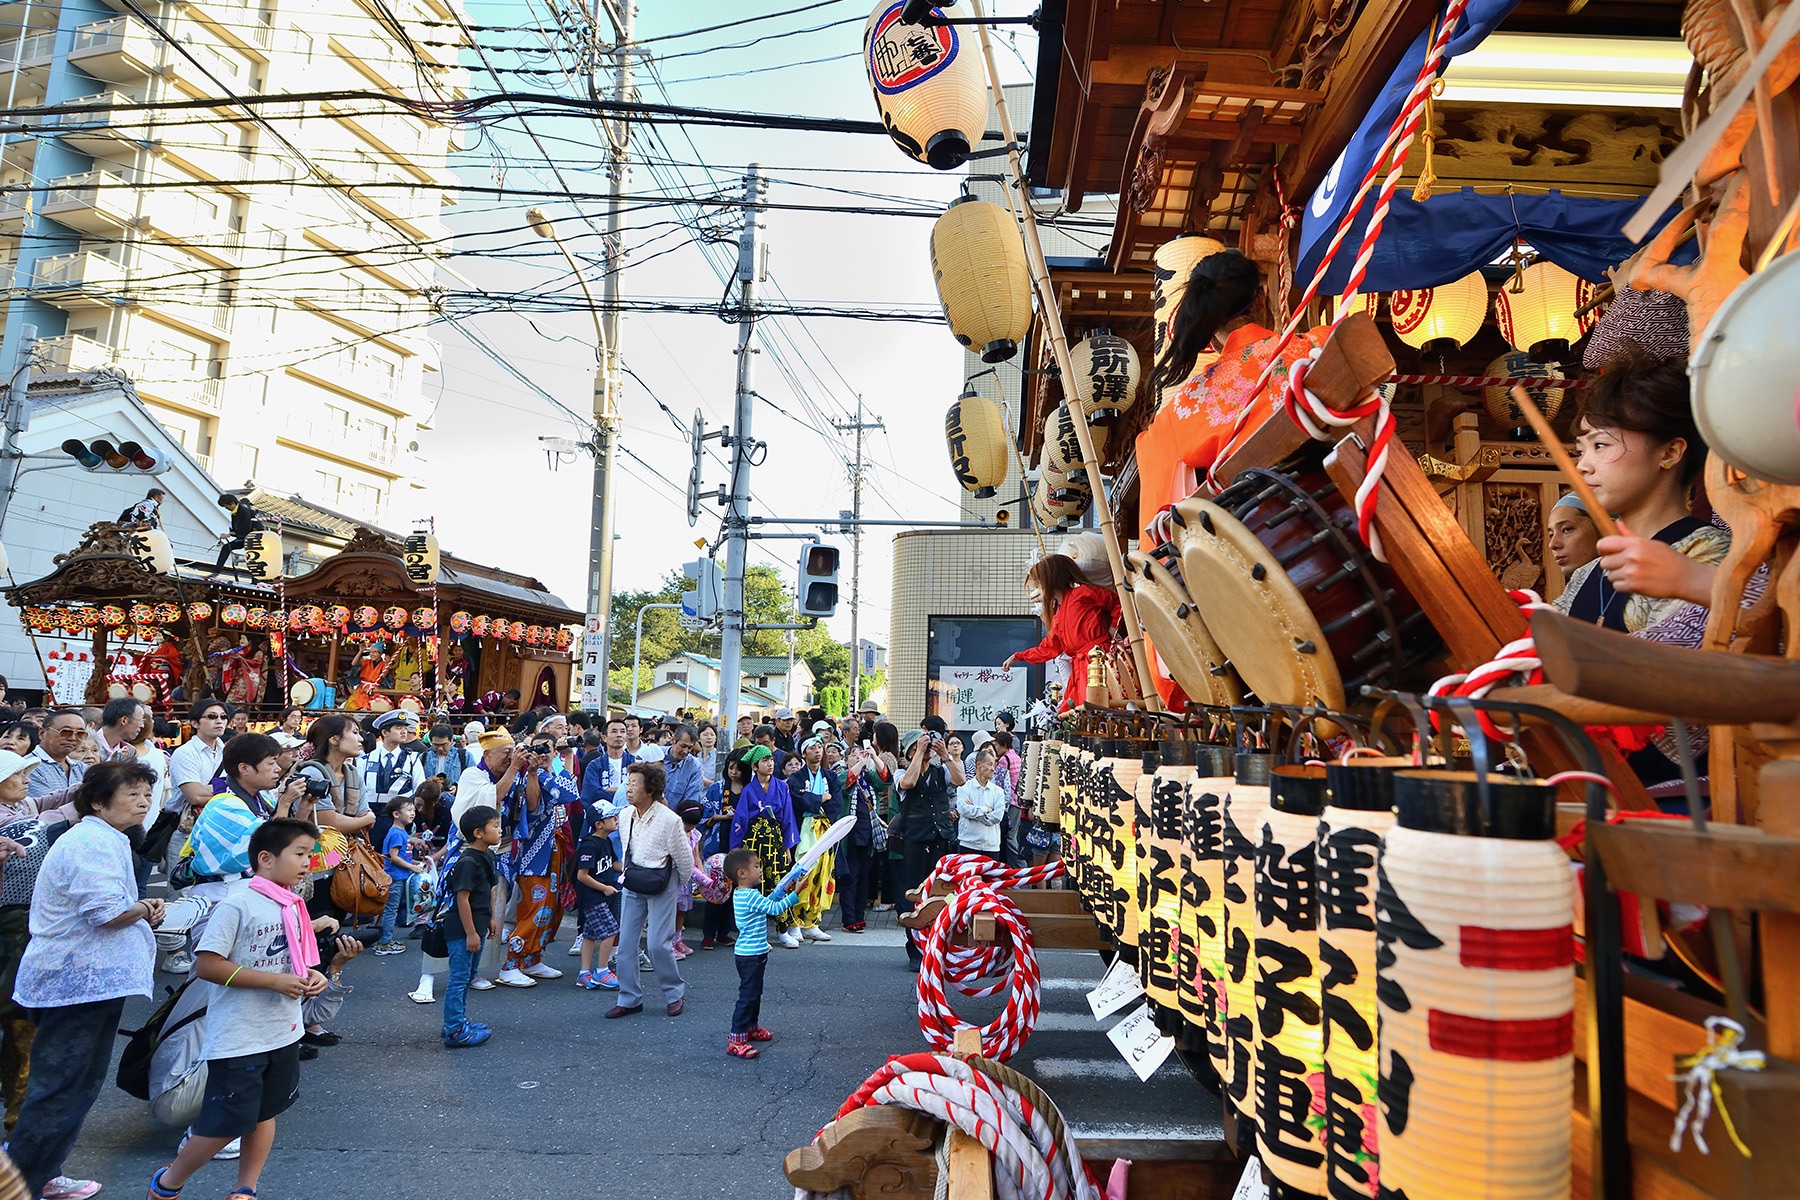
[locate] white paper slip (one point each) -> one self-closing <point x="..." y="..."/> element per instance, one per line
<point x="1250" y="1185"/>
<point x="1118" y="987"/>
<point x="1142" y="1044"/>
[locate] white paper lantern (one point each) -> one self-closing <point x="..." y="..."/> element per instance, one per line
<point x="151" y="547"/>
<point x="1442" y="318"/>
<point x="1107" y="373"/>
<point x="262" y="555"/>
<point x="929" y="83"/>
<point x="983" y="281"/>
<point x="1246" y="808"/>
<point x="1540" y="317"/>
<point x="1175" y="261"/>
<point x="420" y="552"/>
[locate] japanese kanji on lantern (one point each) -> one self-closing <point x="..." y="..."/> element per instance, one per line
<point x="152" y="548"/>
<point x="1440" y="319"/>
<point x="1201" y="988"/>
<point x="1161" y="807"/>
<point x="420" y="554"/>
<point x="983" y="282"/>
<point x="1476" y="990"/>
<point x="1107" y="373"/>
<point x="1289" y="1041"/>
<point x="929" y="84"/>
<point x="1246" y="807"/>
<point x="262" y="555"/>
<point x="1115" y="843"/>
<point x="975" y="432"/>
<point x="1359" y="802"/>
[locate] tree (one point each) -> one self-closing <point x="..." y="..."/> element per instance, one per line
<point x="766" y="602"/>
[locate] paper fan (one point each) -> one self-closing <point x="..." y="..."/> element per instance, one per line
<point x="329" y="851"/>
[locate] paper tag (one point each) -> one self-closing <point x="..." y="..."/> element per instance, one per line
<point x="1251" y="1185"/>
<point x="1142" y="1044"/>
<point x="1119" y="987"/>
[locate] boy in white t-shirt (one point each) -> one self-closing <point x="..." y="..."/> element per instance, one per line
<point x="259" y="949"/>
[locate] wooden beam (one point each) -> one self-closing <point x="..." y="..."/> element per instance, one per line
<point x="1728" y="866"/>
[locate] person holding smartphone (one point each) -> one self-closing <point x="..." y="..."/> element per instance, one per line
<point x="534" y="809"/>
<point x="927" y="821"/>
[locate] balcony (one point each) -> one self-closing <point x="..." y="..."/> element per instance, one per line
<point x="72" y="353"/>
<point x="13" y="209"/>
<point x="29" y="56"/>
<point x="117" y="50"/>
<point x="113" y="129"/>
<point x="93" y="202"/>
<point x="341" y="442"/>
<point x="76" y="280"/>
<point x="202" y="394"/>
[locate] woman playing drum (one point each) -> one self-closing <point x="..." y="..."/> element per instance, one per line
<point x="1077" y="615"/>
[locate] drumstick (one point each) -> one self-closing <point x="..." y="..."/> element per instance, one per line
<point x="1602" y="519"/>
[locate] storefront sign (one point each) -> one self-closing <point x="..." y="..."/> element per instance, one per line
<point x="970" y="696"/>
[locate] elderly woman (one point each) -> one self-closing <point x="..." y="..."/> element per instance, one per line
<point x="764" y="823"/>
<point x="658" y="864"/>
<point x="91" y="947"/>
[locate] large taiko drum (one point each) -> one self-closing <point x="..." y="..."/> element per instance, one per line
<point x="1291" y="594"/>
<point x="1185" y="646"/>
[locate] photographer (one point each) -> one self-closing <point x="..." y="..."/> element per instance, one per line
<point x="534" y="809"/>
<point x="927" y="822"/>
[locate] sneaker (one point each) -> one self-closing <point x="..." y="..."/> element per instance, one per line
<point x="813" y="933"/>
<point x="681" y="952"/>
<point x="856" y="927"/>
<point x="322" y="1038"/>
<point x="387" y="948"/>
<point x="788" y="940"/>
<point x="682" y="948"/>
<point x="470" y="1035"/>
<point x="64" y="1188"/>
<point x="229" y="1151"/>
<point x="586" y="980"/>
<point x="542" y="970"/>
<point x="644" y="963"/>
<point x="478" y="984"/>
<point x="607" y="980"/>
<point x="179" y="963"/>
<point x="576" y="948"/>
<point x="708" y="944"/>
<point x="513" y="977"/>
<point x="881" y="908"/>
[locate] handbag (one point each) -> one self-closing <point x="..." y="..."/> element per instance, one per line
<point x="878" y="830"/>
<point x="646" y="881"/>
<point x="155" y="844"/>
<point x="360" y="884"/>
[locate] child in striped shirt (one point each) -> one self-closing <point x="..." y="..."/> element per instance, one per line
<point x="753" y="909"/>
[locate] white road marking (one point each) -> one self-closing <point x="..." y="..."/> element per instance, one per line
<point x="1092" y="1068"/>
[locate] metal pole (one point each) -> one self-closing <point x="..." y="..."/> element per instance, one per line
<point x="737" y="508"/>
<point x="637" y="649"/>
<point x="18" y="416"/>
<point x="856" y="481"/>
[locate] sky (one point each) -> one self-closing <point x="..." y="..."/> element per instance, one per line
<point x="494" y="493"/>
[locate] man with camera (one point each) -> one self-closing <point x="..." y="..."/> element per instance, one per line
<point x="533" y="810"/>
<point x="927" y="821"/>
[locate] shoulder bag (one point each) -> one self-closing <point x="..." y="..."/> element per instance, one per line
<point x="647" y="881"/>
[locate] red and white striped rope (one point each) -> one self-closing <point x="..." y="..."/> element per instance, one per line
<point x="1516" y="658"/>
<point x="1486" y="381"/>
<point x="1002" y="1037"/>
<point x="1319" y="419"/>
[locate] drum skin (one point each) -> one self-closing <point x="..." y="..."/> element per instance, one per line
<point x="1182" y="641"/>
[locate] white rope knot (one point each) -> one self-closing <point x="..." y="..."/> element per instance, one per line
<point x="1700" y="1085"/>
<point x="1321" y="421"/>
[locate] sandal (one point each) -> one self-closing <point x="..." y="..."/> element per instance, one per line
<point x="739" y="1049"/>
<point x="759" y="1034"/>
<point x="159" y="1192"/>
<point x="243" y="1191"/>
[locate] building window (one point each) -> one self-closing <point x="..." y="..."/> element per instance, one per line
<point x="247" y="457"/>
<point x="328" y="486"/>
<point x="676" y="677"/>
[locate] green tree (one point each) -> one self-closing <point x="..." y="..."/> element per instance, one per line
<point x="766" y="602"/>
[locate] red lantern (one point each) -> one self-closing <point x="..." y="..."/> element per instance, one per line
<point x="502" y="628"/>
<point x="112" y="616"/>
<point x="199" y="610"/>
<point x="564" y="639"/>
<point x="234" y="614"/>
<point x="394" y="618"/>
<point x="168" y="614"/>
<point x="480" y="625"/>
<point x="459" y="622"/>
<point x="143" y="614"/>
<point x="146" y="633"/>
<point x="425" y="618"/>
<point x="336" y="615"/>
<point x="86" y="618"/>
<point x="257" y="618"/>
<point x="366" y="617"/>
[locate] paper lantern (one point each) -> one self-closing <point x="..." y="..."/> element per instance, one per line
<point x="425" y="618"/>
<point x="537" y="635"/>
<point x="1160" y="801"/>
<point x="68" y="622"/>
<point x="975" y="431"/>
<point x="365" y="617"/>
<point x="420" y="553"/>
<point x="1120" y="864"/>
<point x="143" y="614"/>
<point x="1359" y="802"/>
<point x="262" y="555"/>
<point x="1201" y="989"/>
<point x="929" y="83"/>
<point x="337" y="616"/>
<point x="1540" y="317"/>
<point x="480" y="625"/>
<point x="1175" y="261"/>
<point x="564" y="639"/>
<point x="1440" y="319"/>
<point x="296" y="620"/>
<point x="167" y="613"/>
<point x="1246" y="807"/>
<point x="89" y="618"/>
<point x="1368" y="302"/>
<point x="1062" y="463"/>
<point x="394" y="617"/>
<point x="1519" y="365"/>
<point x="199" y="610"/>
<point x="146" y="633"/>
<point x="151" y="547"/>
<point x="459" y="622"/>
<point x="112" y="616"/>
<point x="1062" y="510"/>
<point x="257" y="618"/>
<point x="234" y="614"/>
<point x="1477" y="991"/>
<point x="1107" y="373"/>
<point x="1289" y="1032"/>
<point x="502" y="628"/>
<point x="978" y="264"/>
<point x="1744" y="369"/>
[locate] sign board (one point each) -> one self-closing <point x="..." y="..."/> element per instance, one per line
<point x="970" y="696"/>
<point x="1140" y="1042"/>
<point x="593" y="668"/>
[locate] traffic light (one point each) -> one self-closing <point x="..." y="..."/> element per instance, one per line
<point x="818" y="590"/>
<point x="709" y="588"/>
<point x="127" y="458"/>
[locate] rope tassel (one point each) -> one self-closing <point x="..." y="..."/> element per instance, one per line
<point x="1700" y="1084"/>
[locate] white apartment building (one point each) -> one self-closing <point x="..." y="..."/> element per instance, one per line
<point x="262" y="280"/>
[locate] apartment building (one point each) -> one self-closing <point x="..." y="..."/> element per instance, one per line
<point x="262" y="279"/>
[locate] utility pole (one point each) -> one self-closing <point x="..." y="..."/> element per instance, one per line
<point x="606" y="377"/>
<point x="737" y="504"/>
<point x="18" y="415"/>
<point x="856" y="482"/>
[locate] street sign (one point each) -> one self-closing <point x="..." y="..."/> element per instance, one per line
<point x="593" y="670"/>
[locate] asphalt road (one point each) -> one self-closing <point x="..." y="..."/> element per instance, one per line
<point x="562" y="1102"/>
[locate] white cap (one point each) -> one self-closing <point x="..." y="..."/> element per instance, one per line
<point x="982" y="737"/>
<point x="11" y="764"/>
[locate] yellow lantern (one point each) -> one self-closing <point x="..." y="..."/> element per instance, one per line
<point x="1517" y="364"/>
<point x="1477" y="991"/>
<point x="1160" y="815"/>
<point x="978" y="264"/>
<point x="1201" y="988"/>
<point x="151" y="547"/>
<point x="1369" y="302"/>
<point x="1359" y="803"/>
<point x="420" y="553"/>
<point x="1536" y="312"/>
<point x="1246" y="807"/>
<point x="929" y="83"/>
<point x="1059" y="508"/>
<point x="1289" y="1033"/>
<point x="1119" y="802"/>
<point x="262" y="555"/>
<point x="975" y="430"/>
<point x="1175" y="261"/>
<point x="1440" y="319"/>
<point x="1062" y="461"/>
<point x="1106" y="375"/>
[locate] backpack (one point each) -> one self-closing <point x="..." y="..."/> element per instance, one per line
<point x="133" y="1076"/>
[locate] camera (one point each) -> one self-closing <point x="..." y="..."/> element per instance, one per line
<point x="317" y="788"/>
<point x="541" y="748"/>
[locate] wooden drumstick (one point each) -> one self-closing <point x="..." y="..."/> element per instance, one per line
<point x="1602" y="519"/>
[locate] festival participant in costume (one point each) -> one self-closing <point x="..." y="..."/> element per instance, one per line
<point x="764" y="822"/>
<point x="371" y="664"/>
<point x="1077" y="616"/>
<point x="818" y="795"/>
<point x="242" y="670"/>
<point x="1572" y="536"/>
<point x="535" y="809"/>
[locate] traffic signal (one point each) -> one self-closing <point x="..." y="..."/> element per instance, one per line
<point x="818" y="590"/>
<point x="709" y="588"/>
<point x="127" y="458"/>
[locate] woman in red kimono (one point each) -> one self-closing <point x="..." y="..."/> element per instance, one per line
<point x="1078" y="615"/>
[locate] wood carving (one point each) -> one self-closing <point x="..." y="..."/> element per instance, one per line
<point x="1717" y="38"/>
<point x="1719" y="269"/>
<point x="1765" y="527"/>
<point x="1146" y="178"/>
<point x="1326" y="41"/>
<point x="1517" y="143"/>
<point x="1515" y="534"/>
<point x="878" y="1153"/>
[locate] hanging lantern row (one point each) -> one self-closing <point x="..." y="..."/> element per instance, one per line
<point x="144" y="620"/>
<point x="1535" y="312"/>
<point x="975" y="431"/>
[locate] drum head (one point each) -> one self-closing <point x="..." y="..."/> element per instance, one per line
<point x="143" y="691"/>
<point x="411" y="704"/>
<point x="381" y="704"/>
<point x="302" y="693"/>
<point x="1187" y="649"/>
<point x="116" y="690"/>
<point x="1253" y="609"/>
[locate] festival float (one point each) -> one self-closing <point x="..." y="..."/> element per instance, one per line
<point x="1350" y="800"/>
<point x="384" y="622"/>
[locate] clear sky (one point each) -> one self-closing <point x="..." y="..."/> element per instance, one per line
<point x="491" y="490"/>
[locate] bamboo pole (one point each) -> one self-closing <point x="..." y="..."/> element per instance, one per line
<point x="1059" y="346"/>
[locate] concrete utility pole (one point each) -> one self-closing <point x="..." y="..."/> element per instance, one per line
<point x="18" y="415"/>
<point x="606" y="380"/>
<point x="737" y="505"/>
<point x="856" y="482"/>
